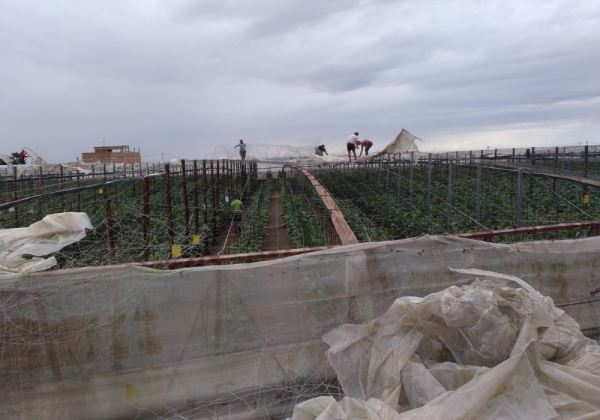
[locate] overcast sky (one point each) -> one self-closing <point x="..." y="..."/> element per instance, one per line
<point x="186" y="78"/>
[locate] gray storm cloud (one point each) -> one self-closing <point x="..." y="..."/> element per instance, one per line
<point x="187" y="77"/>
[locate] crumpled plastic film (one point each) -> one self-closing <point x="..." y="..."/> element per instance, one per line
<point x="493" y="349"/>
<point x="49" y="235"/>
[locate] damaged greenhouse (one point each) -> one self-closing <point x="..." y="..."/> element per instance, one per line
<point x="404" y="286"/>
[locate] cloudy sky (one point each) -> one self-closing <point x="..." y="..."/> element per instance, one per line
<point x="187" y="78"/>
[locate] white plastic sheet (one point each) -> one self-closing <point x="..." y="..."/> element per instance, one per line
<point x="487" y="350"/>
<point x="51" y="234"/>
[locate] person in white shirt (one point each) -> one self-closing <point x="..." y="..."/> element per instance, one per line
<point x="351" y="145"/>
<point x="242" y="147"/>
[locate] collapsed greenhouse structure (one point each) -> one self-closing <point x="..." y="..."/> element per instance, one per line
<point x="346" y="290"/>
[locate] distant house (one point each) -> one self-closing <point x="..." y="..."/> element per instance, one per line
<point x="112" y="154"/>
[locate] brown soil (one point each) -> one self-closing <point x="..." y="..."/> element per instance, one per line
<point x="277" y="234"/>
<point x="231" y="240"/>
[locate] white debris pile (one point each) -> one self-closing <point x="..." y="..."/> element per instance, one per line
<point x="49" y="235"/>
<point x="487" y="350"/>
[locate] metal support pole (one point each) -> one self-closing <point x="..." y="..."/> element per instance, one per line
<point x="40" y="191"/>
<point x="110" y="227"/>
<point x="387" y="178"/>
<point x="204" y="201"/>
<point x="62" y="187"/>
<point x="15" y="195"/>
<point x="449" y="212"/>
<point x="586" y="161"/>
<point x="519" y="198"/>
<point x="78" y="193"/>
<point x="146" y="217"/>
<point x="478" y="195"/>
<point x="429" y="183"/>
<point x="186" y="201"/>
<point x="196" y="200"/>
<point x="410" y="180"/>
<point x="169" y="206"/>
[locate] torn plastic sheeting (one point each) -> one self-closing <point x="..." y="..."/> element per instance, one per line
<point x="487" y="350"/>
<point x="49" y="235"/>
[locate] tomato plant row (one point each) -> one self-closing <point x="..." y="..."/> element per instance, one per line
<point x="302" y="225"/>
<point x="390" y="203"/>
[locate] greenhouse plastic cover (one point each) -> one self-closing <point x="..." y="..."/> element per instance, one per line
<point x="404" y="142"/>
<point x="126" y="341"/>
<point x="486" y="350"/>
<point x="51" y="234"/>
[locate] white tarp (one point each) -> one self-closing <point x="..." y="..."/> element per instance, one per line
<point x="486" y="350"/>
<point x="404" y="142"/>
<point x="51" y="234"/>
<point x="125" y="341"/>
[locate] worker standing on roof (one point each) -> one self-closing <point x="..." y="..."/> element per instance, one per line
<point x="364" y="145"/>
<point x="242" y="147"/>
<point x="351" y="145"/>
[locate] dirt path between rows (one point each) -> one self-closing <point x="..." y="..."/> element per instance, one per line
<point x="231" y="240"/>
<point x="277" y="235"/>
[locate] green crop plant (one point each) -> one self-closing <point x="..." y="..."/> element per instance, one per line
<point x="301" y="223"/>
<point x="255" y="220"/>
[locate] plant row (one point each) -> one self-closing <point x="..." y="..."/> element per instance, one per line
<point x="384" y="203"/>
<point x="255" y="220"/>
<point x="302" y="225"/>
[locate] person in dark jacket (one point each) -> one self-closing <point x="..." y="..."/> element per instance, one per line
<point x="319" y="150"/>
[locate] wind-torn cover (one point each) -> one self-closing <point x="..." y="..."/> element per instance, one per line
<point x="487" y="350"/>
<point x="49" y="235"/>
<point x="404" y="142"/>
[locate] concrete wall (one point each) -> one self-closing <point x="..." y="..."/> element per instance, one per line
<point x="123" y="341"/>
